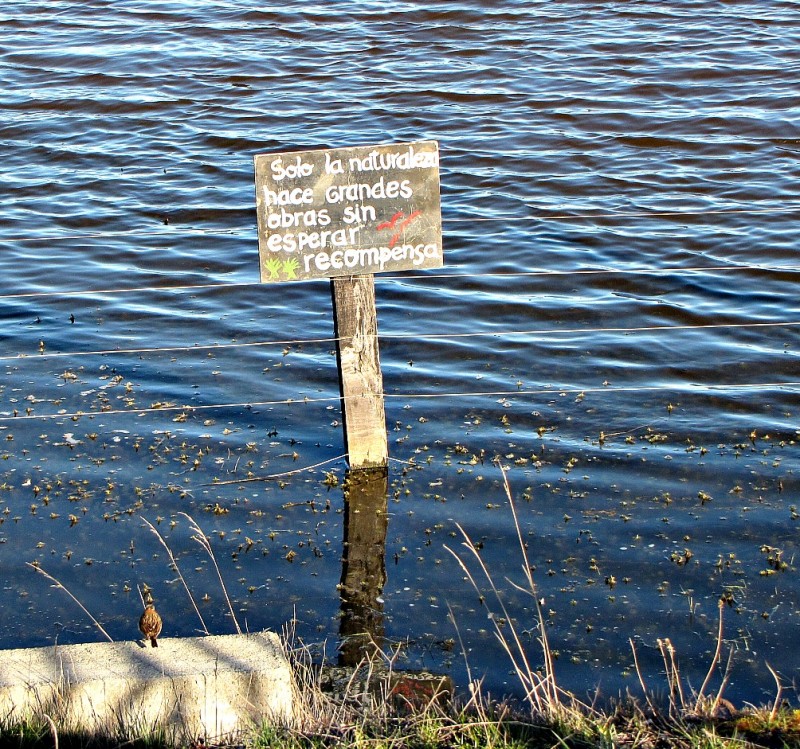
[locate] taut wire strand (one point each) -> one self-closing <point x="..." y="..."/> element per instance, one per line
<point x="164" y="349"/>
<point x="631" y="214"/>
<point x="419" y="276"/>
<point x="400" y="336"/>
<point x="185" y="408"/>
<point x="234" y="231"/>
<point x="282" y="474"/>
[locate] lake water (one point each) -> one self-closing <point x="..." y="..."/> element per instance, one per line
<point x="617" y="321"/>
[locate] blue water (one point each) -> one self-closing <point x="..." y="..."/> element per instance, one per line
<point x="616" y="320"/>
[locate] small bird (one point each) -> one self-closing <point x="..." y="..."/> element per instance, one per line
<point x="150" y="621"/>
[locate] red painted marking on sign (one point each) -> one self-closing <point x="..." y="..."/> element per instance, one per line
<point x="391" y="222"/>
<point x="402" y="228"/>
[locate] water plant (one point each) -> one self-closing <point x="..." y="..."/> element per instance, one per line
<point x="375" y="705"/>
<point x="541" y="690"/>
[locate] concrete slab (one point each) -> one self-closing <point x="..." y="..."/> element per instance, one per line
<point x="207" y="687"/>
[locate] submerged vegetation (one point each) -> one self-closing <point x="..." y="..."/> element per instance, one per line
<point x="625" y="526"/>
<point x="376" y="704"/>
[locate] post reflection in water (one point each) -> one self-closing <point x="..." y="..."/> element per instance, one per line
<point x="363" y="564"/>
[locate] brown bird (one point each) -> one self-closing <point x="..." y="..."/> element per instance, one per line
<point x="150" y="622"/>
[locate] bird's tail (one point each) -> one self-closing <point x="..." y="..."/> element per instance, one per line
<point x="153" y="642"/>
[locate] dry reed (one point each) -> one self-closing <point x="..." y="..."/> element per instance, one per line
<point x="58" y="584"/>
<point x="174" y="565"/>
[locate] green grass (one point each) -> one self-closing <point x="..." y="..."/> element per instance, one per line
<point x="369" y="711"/>
<point x="453" y="732"/>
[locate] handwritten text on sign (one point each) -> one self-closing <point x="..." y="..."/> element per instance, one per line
<point x="348" y="211"/>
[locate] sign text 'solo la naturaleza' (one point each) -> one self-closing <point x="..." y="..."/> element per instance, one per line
<point x="348" y="211"/>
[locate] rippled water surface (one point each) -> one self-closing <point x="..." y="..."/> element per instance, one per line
<point x="617" y="322"/>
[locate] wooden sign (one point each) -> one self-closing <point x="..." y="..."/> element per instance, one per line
<point x="348" y="211"/>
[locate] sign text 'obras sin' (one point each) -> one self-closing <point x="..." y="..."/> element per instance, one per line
<point x="348" y="211"/>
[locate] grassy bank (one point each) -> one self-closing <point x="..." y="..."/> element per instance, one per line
<point x="376" y="706"/>
<point x="373" y="707"/>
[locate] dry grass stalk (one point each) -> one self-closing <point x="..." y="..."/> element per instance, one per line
<point x="677" y="701"/>
<point x="202" y="539"/>
<point x="700" y="704"/>
<point x="541" y="689"/>
<point x="778" y="695"/>
<point x="53" y="729"/>
<point x="97" y="624"/>
<point x="640" y="676"/>
<point x="363" y="710"/>
<point x="714" y="660"/>
<point x="552" y="689"/>
<point x="174" y="565"/>
<point x="561" y="708"/>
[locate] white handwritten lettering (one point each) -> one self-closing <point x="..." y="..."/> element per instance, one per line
<point x="346" y="211"/>
<point x="312" y="240"/>
<point x="380" y="190"/>
<point x="298" y="196"/>
<point x="333" y="166"/>
<point x="408" y="159"/>
<point x="288" y="219"/>
<point x="366" y="259"/>
<point x="294" y="170"/>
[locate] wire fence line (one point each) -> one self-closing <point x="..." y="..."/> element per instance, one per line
<point x="164" y="349"/>
<point x="421" y="276"/>
<point x="578" y="216"/>
<point x="632" y="214"/>
<point x="426" y="277"/>
<point x="535" y="332"/>
<point x="186" y="409"/>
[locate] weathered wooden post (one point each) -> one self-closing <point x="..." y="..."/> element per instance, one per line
<point x="355" y="323"/>
<point x="346" y="214"/>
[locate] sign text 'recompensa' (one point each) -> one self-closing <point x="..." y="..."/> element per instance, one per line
<point x="348" y="211"/>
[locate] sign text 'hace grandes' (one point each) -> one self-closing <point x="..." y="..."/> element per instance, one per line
<point x="348" y="211"/>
